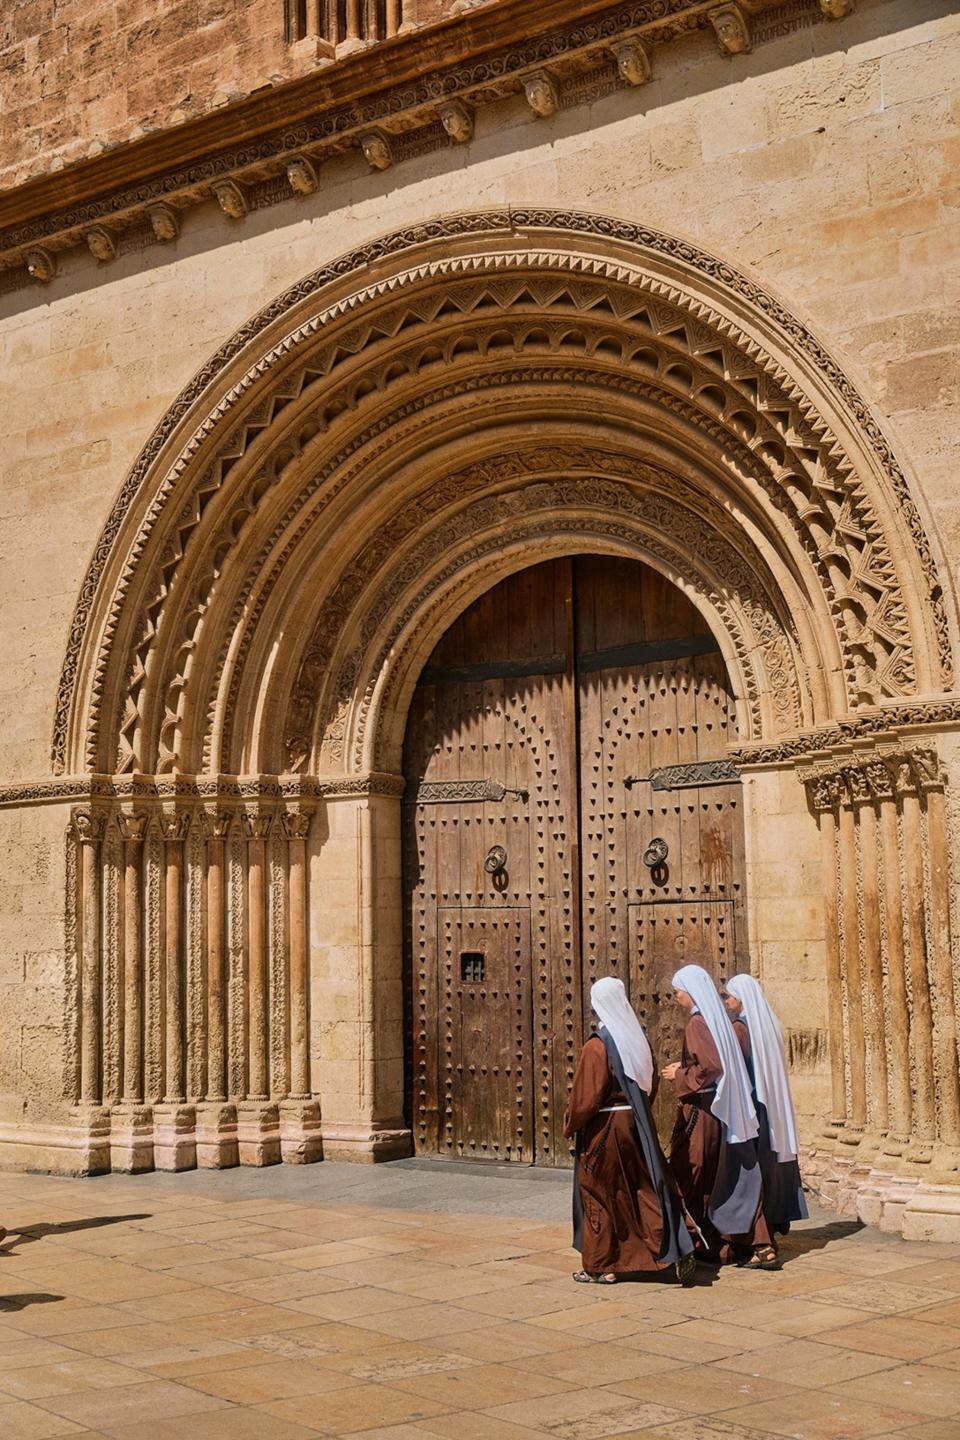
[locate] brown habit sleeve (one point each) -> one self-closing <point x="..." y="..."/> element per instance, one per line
<point x="591" y="1082"/>
<point x="701" y="1068"/>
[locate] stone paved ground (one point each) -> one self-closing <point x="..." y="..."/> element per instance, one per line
<point x="416" y="1301"/>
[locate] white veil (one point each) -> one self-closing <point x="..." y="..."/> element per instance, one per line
<point x="733" y="1102"/>
<point x="769" y="1064"/>
<point x="608" y="1000"/>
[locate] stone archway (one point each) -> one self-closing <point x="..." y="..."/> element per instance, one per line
<point x="376" y="447"/>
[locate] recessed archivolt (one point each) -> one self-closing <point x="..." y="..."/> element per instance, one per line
<point x="368" y="666"/>
<point x="317" y="389"/>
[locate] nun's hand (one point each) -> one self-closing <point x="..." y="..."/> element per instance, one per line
<point x="669" y="1072"/>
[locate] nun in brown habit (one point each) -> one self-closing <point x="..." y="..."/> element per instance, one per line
<point x="713" y="1155"/>
<point x="628" y="1218"/>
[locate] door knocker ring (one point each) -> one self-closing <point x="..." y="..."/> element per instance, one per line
<point x="496" y="860"/>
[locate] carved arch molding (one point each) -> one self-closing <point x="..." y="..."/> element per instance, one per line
<point x="401" y="427"/>
<point x="379" y="445"/>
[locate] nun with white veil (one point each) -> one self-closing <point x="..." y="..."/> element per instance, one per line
<point x="761" y="1040"/>
<point x="628" y="1216"/>
<point x="713" y="1153"/>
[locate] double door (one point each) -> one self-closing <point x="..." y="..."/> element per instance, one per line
<point x="568" y="814"/>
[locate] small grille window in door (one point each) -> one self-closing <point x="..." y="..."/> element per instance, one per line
<point x="472" y="966"/>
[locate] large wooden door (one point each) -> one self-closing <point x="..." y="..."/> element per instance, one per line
<point x="563" y="821"/>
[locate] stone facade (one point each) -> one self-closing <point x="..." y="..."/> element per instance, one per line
<point x="687" y="301"/>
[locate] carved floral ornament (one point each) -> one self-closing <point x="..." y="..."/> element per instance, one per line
<point x="332" y="390"/>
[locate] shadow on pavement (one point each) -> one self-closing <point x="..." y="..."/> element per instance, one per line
<point x="27" y="1234"/>
<point x="20" y="1302"/>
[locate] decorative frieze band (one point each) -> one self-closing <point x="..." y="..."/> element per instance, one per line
<point x="203" y="791"/>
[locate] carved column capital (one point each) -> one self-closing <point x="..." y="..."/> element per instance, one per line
<point x="133" y="825"/>
<point x="296" y="824"/>
<point x="824" y="789"/>
<point x="218" y="823"/>
<point x="732" y="30"/>
<point x="879" y="779"/>
<point x="542" y="94"/>
<point x="88" y="826"/>
<point x="258" y="824"/>
<point x="902" y="775"/>
<point x="858" y="786"/>
<point x="925" y="763"/>
<point x="174" y="824"/>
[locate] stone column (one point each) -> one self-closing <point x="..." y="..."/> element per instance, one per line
<point x="132" y="829"/>
<point x="874" y="1009"/>
<point x="297" y="826"/>
<point x="131" y="1138"/>
<point x="926" y="765"/>
<point x="216" y="958"/>
<point x="258" y="828"/>
<point x="300" y="1136"/>
<point x="88" y="828"/>
<point x="217" y="1147"/>
<point x="850" y="911"/>
<point x="258" y="1126"/>
<point x="825" y="792"/>
<point x="898" y="1076"/>
<point x="921" y="1022"/>
<point x="174" y="1121"/>
<point x="93" y="1155"/>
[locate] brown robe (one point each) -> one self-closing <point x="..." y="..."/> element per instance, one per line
<point x="622" y="1221"/>
<point x="695" y="1150"/>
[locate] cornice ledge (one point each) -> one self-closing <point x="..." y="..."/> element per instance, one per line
<point x="401" y="89"/>
<point x="900" y="719"/>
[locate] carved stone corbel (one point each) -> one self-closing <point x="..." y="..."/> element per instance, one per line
<point x="377" y="150"/>
<point x="732" y="30"/>
<point x="457" y="119"/>
<point x="101" y="244"/>
<point x="41" y="265"/>
<point x="165" y="222"/>
<point x="836" y="9"/>
<point x="301" y="176"/>
<point x="231" y="199"/>
<point x="542" y="94"/>
<point x="633" y="62"/>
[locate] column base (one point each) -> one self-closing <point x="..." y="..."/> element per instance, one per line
<point x="217" y="1147"/>
<point x="131" y="1139"/>
<point x="367" y="1144"/>
<point x="301" y="1140"/>
<point x="174" y="1136"/>
<point x="933" y="1213"/>
<point x="92" y="1141"/>
<point x="258" y="1133"/>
